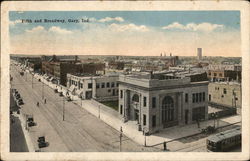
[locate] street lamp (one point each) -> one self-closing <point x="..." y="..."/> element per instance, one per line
<point x="121" y="138"/>
<point x="144" y="133"/>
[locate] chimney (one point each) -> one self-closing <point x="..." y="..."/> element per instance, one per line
<point x="151" y="74"/>
<point x="75" y="58"/>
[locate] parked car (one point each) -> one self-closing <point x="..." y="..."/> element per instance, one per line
<point x="41" y="142"/>
<point x="20" y="101"/>
<point x="16" y="93"/>
<point x="68" y="99"/>
<point x="17" y="96"/>
<point x="60" y="94"/>
<point x="55" y="90"/>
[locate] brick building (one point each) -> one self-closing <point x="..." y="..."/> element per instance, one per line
<point x="59" y="67"/>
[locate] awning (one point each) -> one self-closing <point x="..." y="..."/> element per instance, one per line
<point x="72" y="88"/>
<point x="78" y="92"/>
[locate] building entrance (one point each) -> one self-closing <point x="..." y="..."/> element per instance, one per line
<point x="137" y="115"/>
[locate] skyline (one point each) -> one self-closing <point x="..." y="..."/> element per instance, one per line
<point x="127" y="33"/>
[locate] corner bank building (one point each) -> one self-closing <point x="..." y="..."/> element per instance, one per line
<point x="157" y="101"/>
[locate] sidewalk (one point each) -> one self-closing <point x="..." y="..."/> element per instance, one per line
<point x="130" y="129"/>
<point x="25" y="132"/>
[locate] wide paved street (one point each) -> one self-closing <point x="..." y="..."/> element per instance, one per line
<point x="79" y="132"/>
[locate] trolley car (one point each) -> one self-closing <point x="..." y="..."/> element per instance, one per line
<point x="224" y="141"/>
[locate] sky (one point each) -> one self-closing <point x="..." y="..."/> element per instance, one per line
<point x="133" y="33"/>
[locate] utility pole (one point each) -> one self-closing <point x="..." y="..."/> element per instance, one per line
<point x="144" y="133"/>
<point x="63" y="107"/>
<point x="121" y="139"/>
<point x="32" y="81"/>
<point x="99" y="111"/>
<point x="42" y="90"/>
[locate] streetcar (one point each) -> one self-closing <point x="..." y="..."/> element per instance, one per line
<point x="224" y="141"/>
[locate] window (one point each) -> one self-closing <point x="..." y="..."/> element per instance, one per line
<point x="89" y="85"/>
<point x="209" y="97"/>
<point x="167" y="109"/>
<point x="81" y="85"/>
<point x="153" y="121"/>
<point x="117" y="84"/>
<point x="203" y="96"/>
<point x="121" y="93"/>
<point x="144" y="120"/>
<point x="135" y="98"/>
<point x="112" y="84"/>
<point x="121" y="108"/>
<point x="196" y="97"/>
<point x="220" y="75"/>
<point x="225" y="91"/>
<point x="186" y="97"/>
<point x="198" y="113"/>
<point x="109" y="90"/>
<point x="209" y="73"/>
<point x="153" y="102"/>
<point x="103" y="85"/>
<point x="97" y="85"/>
<point x="107" y="85"/>
<point x="144" y="101"/>
<point x="193" y="98"/>
<point x="215" y="74"/>
<point x="200" y="95"/>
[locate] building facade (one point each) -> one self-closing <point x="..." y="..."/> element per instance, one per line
<point x="226" y="94"/>
<point x="224" y="75"/>
<point x="101" y="88"/>
<point x="159" y="101"/>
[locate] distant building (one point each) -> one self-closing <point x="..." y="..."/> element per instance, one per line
<point x="116" y="65"/>
<point x="157" y="101"/>
<point x="230" y="67"/>
<point x="59" y="67"/>
<point x="199" y="54"/>
<point x="87" y="86"/>
<point x="227" y="94"/>
<point x="224" y="75"/>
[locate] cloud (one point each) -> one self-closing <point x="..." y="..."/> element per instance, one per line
<point x="128" y="27"/>
<point x="204" y="27"/>
<point x="59" y="30"/>
<point x="108" y="19"/>
<point x="53" y="29"/>
<point x="13" y="23"/>
<point x="36" y="29"/>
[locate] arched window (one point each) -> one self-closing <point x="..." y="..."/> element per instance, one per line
<point x="135" y="98"/>
<point x="167" y="109"/>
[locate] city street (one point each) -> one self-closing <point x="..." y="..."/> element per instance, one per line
<point x="79" y="132"/>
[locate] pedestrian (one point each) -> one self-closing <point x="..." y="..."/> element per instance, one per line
<point x="37" y="104"/>
<point x="45" y="101"/>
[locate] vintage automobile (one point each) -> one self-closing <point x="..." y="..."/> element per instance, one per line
<point x="41" y="142"/>
<point x="68" y="99"/>
<point x="17" y="96"/>
<point x="20" y="101"/>
<point x="60" y="94"/>
<point x="55" y="90"/>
